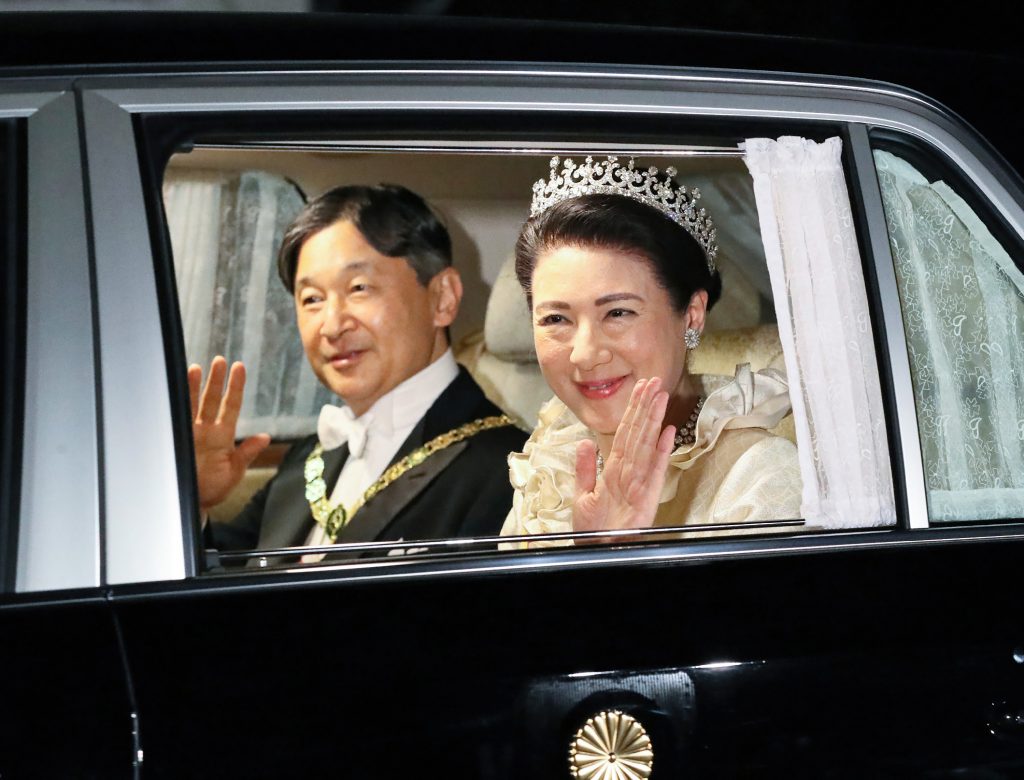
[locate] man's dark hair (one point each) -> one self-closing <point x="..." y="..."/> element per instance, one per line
<point x="395" y="221"/>
<point x="622" y="224"/>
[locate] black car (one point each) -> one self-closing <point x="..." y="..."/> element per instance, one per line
<point x="882" y="643"/>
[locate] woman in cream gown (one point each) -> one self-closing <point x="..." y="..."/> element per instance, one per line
<point x="618" y="270"/>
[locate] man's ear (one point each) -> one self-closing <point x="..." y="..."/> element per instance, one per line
<point x="445" y="296"/>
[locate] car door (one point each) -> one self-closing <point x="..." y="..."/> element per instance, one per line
<point x="65" y="697"/>
<point x="880" y="652"/>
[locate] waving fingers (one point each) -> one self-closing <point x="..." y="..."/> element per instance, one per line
<point x="586" y="467"/>
<point x="232" y="403"/>
<point x="209" y="403"/>
<point x="195" y="379"/>
<point x="647" y="430"/>
<point x="624" y="433"/>
<point x="647" y="409"/>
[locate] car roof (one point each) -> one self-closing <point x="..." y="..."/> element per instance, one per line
<point x="973" y="84"/>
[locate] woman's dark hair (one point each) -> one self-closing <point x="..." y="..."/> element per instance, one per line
<point x="395" y="221"/>
<point x="619" y="223"/>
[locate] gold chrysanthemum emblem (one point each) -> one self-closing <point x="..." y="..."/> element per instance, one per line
<point x="611" y="746"/>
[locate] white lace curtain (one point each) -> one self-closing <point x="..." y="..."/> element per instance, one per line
<point x="963" y="310"/>
<point x="817" y="281"/>
<point x="225" y="231"/>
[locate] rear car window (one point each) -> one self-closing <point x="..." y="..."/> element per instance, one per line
<point x="962" y="293"/>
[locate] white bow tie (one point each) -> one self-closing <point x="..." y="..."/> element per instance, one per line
<point x="337" y="425"/>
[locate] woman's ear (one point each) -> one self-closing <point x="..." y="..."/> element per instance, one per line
<point x="445" y="296"/>
<point x="697" y="310"/>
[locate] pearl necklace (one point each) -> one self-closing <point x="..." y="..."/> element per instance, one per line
<point x="685" y="435"/>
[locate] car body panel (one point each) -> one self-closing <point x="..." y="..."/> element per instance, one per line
<point x="64" y="696"/>
<point x="795" y="667"/>
<point x="59" y="529"/>
<point x="141" y="498"/>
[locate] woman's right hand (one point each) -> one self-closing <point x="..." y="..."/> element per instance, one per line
<point x="220" y="465"/>
<point x="627" y="492"/>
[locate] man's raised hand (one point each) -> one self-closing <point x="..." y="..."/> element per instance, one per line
<point x="220" y="465"/>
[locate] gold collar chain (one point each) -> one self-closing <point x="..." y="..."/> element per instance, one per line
<point x="333" y="518"/>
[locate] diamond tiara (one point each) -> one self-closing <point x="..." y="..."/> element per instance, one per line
<point x="611" y="178"/>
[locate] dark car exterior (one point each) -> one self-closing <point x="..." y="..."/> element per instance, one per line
<point x="127" y="651"/>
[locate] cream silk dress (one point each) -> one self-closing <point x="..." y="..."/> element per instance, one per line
<point x="736" y="471"/>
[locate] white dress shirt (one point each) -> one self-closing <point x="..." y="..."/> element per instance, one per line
<point x="388" y="424"/>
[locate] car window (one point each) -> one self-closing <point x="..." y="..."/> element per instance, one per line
<point x="12" y="273"/>
<point x="962" y="294"/>
<point x="225" y="229"/>
<point x="227" y="207"/>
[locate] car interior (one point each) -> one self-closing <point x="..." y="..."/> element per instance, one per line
<point x="220" y="201"/>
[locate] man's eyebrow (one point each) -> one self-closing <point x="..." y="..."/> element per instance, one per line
<point x="355" y="265"/>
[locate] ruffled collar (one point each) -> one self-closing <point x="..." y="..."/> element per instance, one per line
<point x="747" y="400"/>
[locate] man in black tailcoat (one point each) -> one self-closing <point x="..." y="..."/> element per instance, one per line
<point x="416" y="452"/>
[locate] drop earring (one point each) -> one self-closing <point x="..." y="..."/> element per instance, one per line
<point x="691" y="338"/>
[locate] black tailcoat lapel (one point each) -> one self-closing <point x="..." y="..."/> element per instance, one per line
<point x="458" y="404"/>
<point x="370" y="522"/>
<point x="471" y="498"/>
<point x="461" y="402"/>
<point x="287" y="517"/>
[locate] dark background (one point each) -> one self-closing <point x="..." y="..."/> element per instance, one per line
<point x="985" y="26"/>
<point x="966" y="56"/>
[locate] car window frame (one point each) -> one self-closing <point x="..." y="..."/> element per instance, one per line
<point x="228" y="137"/>
<point x="12" y="337"/>
<point x="855" y="106"/>
<point x="57" y="532"/>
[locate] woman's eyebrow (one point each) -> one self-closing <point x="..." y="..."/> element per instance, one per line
<point x="613" y="297"/>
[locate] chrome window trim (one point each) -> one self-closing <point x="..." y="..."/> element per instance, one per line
<point x="706" y="552"/>
<point x="535" y="561"/>
<point x="23" y="104"/>
<point x="894" y="330"/>
<point x="648" y="90"/>
<point x="465" y="545"/>
<point x="744" y="78"/>
<point x="60" y="513"/>
<point x="142" y="530"/>
<point x="573" y="89"/>
<point x="474" y="148"/>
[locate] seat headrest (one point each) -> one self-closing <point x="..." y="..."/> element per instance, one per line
<point x="508" y="330"/>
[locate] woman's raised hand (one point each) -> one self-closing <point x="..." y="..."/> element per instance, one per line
<point x="220" y="465"/>
<point x="628" y="490"/>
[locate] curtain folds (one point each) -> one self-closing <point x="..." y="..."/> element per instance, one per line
<point x="963" y="311"/>
<point x="225" y="230"/>
<point x="818" y="285"/>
